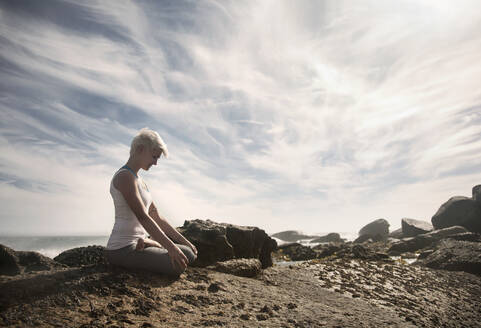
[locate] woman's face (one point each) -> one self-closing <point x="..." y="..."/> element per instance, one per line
<point x="150" y="157"/>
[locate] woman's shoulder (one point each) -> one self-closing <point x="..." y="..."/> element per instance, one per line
<point x="123" y="178"/>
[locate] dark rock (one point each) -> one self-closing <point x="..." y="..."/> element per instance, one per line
<point x="442" y="233"/>
<point x="326" y="250"/>
<point x="421" y="241"/>
<point x="239" y="267"/>
<point x="412" y="227"/>
<point x="298" y="252"/>
<point x="360" y="252"/>
<point x="466" y="236"/>
<point x="378" y="227"/>
<point x="8" y="261"/>
<point x="333" y="237"/>
<point x="454" y="255"/>
<point x="369" y="239"/>
<point x="291" y="235"/>
<point x="262" y="317"/>
<point x="425" y="254"/>
<point x="213" y="288"/>
<point x="221" y="241"/>
<point x="477" y="194"/>
<point x="398" y="234"/>
<point x="79" y="256"/>
<point x="460" y="211"/>
<point x="33" y="261"/>
<point x="15" y="262"/>
<point x="245" y="316"/>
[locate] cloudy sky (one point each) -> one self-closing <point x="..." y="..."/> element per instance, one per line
<point x="309" y="115"/>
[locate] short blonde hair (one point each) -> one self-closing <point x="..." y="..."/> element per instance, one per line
<point x="149" y="138"/>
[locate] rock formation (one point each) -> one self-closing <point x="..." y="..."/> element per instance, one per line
<point x="412" y="227"/>
<point x="424" y="240"/>
<point x="221" y="241"/>
<point x="460" y="211"/>
<point x="82" y="256"/>
<point x="477" y="194"/>
<point x="454" y="255"/>
<point x="292" y="235"/>
<point x="333" y="237"/>
<point x="239" y="267"/>
<point x="15" y="262"/>
<point x="297" y="252"/>
<point x="376" y="230"/>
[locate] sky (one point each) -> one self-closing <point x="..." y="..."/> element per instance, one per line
<point x="318" y="116"/>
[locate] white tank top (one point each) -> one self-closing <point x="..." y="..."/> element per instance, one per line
<point x="127" y="228"/>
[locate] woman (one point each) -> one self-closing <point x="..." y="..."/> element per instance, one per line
<point x="168" y="251"/>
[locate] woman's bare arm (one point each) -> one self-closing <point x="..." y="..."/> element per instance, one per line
<point x="126" y="183"/>
<point x="168" y="229"/>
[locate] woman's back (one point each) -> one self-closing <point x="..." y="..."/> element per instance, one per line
<point x="127" y="229"/>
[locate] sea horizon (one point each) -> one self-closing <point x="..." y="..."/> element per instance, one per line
<point x="52" y="245"/>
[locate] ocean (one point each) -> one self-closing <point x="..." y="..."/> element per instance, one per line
<point x="51" y="246"/>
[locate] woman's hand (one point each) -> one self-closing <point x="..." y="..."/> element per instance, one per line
<point x="177" y="258"/>
<point x="192" y="247"/>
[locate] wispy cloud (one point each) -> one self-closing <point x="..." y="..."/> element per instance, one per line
<point x="302" y="115"/>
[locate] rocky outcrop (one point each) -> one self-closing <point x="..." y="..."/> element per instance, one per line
<point x="412" y="227"/>
<point x="397" y="234"/>
<point x="460" y="211"/>
<point x="292" y="235"/>
<point x="34" y="261"/>
<point x="377" y="230"/>
<point x="369" y="239"/>
<point x="477" y="194"/>
<point x="454" y="255"/>
<point x="327" y="250"/>
<point x="79" y="256"/>
<point x="333" y="237"/>
<point x="239" y="267"/>
<point x="364" y="252"/>
<point x="8" y="262"/>
<point x="421" y="241"/>
<point x="297" y="252"/>
<point x="15" y="262"/>
<point x="221" y="241"/>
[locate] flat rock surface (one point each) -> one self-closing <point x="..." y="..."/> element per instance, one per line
<point x="330" y="293"/>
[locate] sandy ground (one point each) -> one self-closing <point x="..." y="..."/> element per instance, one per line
<point x="328" y="293"/>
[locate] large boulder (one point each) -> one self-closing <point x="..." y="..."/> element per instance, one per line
<point x="454" y="255"/>
<point x="460" y="211"/>
<point x="297" y="252"/>
<point x="292" y="235"/>
<point x="422" y="241"/>
<point x="378" y="229"/>
<point x="221" y="241"/>
<point x="412" y="227"/>
<point x="332" y="237"/>
<point x="34" y="261"/>
<point x="75" y="257"/>
<point x="15" y="262"/>
<point x="477" y="194"/>
<point x="8" y="261"/>
<point x="239" y="267"/>
<point x="397" y="234"/>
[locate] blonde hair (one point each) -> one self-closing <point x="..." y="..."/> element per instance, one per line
<point x="148" y="138"/>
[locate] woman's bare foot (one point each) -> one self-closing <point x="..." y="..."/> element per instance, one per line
<point x="140" y="245"/>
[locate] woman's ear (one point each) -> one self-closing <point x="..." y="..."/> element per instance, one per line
<point x="140" y="148"/>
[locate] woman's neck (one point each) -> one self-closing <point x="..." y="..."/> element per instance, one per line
<point x="133" y="165"/>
